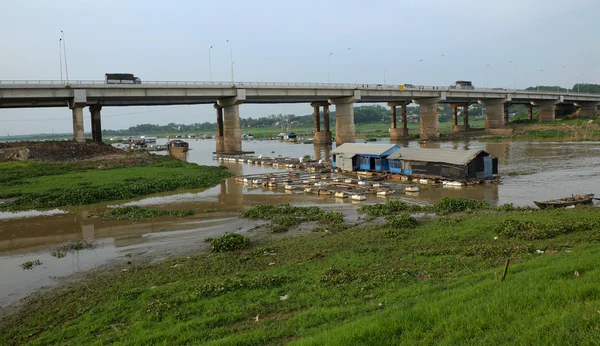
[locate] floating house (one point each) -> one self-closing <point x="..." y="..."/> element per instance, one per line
<point x="452" y="164"/>
<point x="367" y="157"/>
<point x="178" y="149"/>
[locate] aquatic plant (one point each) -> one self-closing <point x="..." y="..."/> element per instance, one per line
<point x="138" y="213"/>
<point x="229" y="242"/>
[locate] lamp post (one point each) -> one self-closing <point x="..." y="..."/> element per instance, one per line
<point x="330" y="54"/>
<point x="417" y="71"/>
<point x="354" y="63"/>
<point x="514" y="75"/>
<point x="209" y="64"/>
<point x="65" y="51"/>
<point x="231" y="59"/>
<point x="60" y="58"/>
<point x="445" y="68"/>
<point x="538" y="87"/>
<point x="384" y="71"/>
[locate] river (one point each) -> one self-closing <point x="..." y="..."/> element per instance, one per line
<point x="538" y="171"/>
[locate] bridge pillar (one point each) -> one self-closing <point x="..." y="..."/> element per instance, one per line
<point x="321" y="135"/>
<point x="530" y="112"/>
<point x="587" y="109"/>
<point x="466" y="116"/>
<point x="220" y="144"/>
<point x="395" y="132"/>
<point x="232" y="140"/>
<point x="96" y="123"/>
<point x="494" y="113"/>
<point x="547" y="111"/>
<point x="344" y="124"/>
<point x="78" y="125"/>
<point x="506" y="113"/>
<point x="429" y="126"/>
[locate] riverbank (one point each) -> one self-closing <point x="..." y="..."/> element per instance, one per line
<point x="79" y="180"/>
<point x="435" y="279"/>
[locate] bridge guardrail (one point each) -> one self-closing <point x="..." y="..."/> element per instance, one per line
<point x="365" y="86"/>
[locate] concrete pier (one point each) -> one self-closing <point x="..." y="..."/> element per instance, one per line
<point x="78" y="124"/>
<point x="232" y="140"/>
<point x="96" y="123"/>
<point x="494" y="113"/>
<point x="344" y="125"/>
<point x="321" y="135"/>
<point x="529" y="112"/>
<point x="587" y="109"/>
<point x="220" y="142"/>
<point x="395" y="132"/>
<point x="506" y="105"/>
<point x="429" y="126"/>
<point x="547" y="111"/>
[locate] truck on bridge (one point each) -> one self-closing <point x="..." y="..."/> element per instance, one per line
<point x="121" y="78"/>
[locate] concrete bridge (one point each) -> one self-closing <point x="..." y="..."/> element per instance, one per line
<point x="228" y="97"/>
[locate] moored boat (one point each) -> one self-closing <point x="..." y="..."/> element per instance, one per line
<point x="566" y="202"/>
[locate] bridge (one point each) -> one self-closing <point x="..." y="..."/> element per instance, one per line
<point x="227" y="98"/>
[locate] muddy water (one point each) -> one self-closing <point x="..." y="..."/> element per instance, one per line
<point x="555" y="169"/>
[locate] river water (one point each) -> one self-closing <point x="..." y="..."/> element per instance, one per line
<point x="553" y="169"/>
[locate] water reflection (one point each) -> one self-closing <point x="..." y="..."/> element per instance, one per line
<point x="322" y="152"/>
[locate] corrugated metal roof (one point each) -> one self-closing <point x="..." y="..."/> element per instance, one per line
<point x="366" y="149"/>
<point x="453" y="156"/>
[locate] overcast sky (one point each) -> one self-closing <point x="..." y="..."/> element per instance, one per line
<point x="289" y="41"/>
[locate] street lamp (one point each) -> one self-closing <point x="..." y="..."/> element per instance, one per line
<point x="538" y="87"/>
<point x="514" y="75"/>
<point x="209" y="64"/>
<point x="445" y="68"/>
<point x="60" y="58"/>
<point x="417" y="71"/>
<point x="330" y="54"/>
<point x="65" y="51"/>
<point x="384" y="71"/>
<point x="579" y="82"/>
<point x="231" y="59"/>
<point x="354" y="63"/>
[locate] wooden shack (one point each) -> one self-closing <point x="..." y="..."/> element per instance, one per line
<point x="462" y="165"/>
<point x="178" y="149"/>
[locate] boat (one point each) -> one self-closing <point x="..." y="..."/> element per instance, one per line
<point x="566" y="202"/>
<point x="411" y="188"/>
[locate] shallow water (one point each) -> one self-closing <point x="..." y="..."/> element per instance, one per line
<point x="557" y="169"/>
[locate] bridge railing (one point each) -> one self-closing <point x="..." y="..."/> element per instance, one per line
<point x="221" y="84"/>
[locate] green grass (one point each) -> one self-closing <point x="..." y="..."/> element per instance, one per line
<point x="48" y="185"/>
<point x="433" y="283"/>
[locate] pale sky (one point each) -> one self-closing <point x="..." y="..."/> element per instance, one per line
<point x="549" y="42"/>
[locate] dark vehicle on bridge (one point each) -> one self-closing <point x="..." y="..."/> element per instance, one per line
<point x="121" y="78"/>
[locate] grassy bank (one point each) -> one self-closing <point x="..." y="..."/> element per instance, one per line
<point x="47" y="185"/>
<point x="401" y="281"/>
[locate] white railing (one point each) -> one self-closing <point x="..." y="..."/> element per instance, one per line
<point x="222" y="84"/>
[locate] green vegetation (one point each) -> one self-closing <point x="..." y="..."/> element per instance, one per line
<point x="434" y="282"/>
<point x="138" y="213"/>
<point x="283" y="216"/>
<point x="443" y="206"/>
<point x="48" y="185"/>
<point x="229" y="242"/>
<point x="29" y="264"/>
